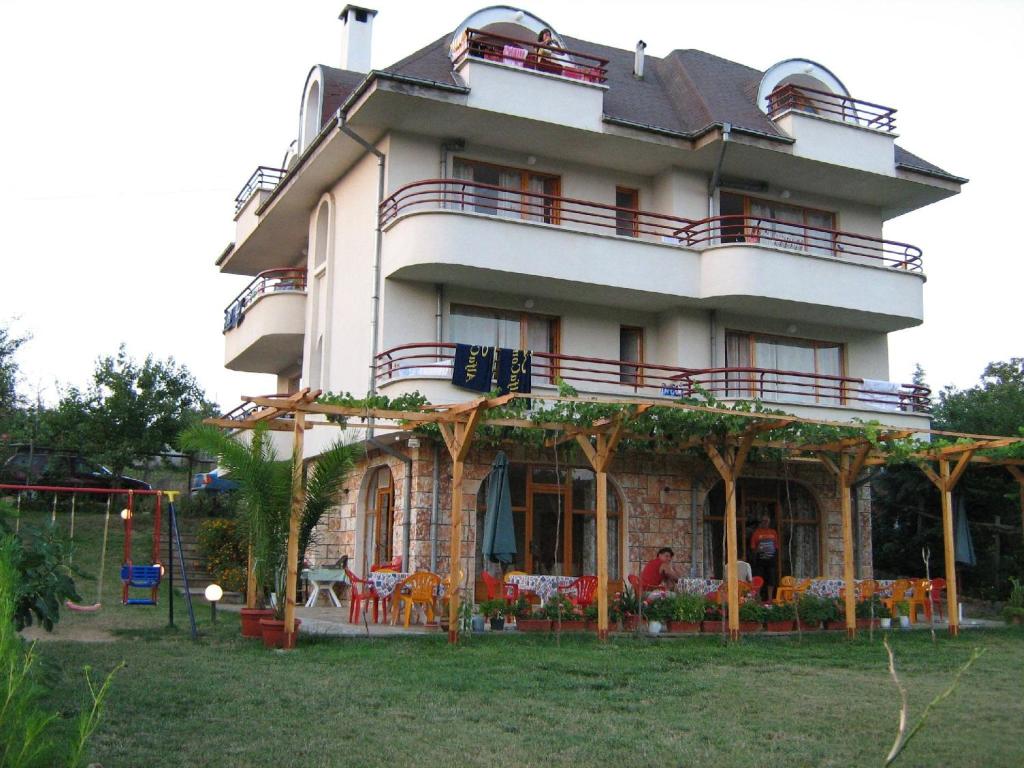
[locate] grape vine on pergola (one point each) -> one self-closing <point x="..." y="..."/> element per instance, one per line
<point x="728" y="436"/>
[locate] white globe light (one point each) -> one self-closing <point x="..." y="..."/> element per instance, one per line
<point x="214" y="593"/>
<point x="125" y="514"/>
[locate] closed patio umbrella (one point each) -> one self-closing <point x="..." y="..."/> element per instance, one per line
<point x="499" y="534"/>
<point x="962" y="542"/>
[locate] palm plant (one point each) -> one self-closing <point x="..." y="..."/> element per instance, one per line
<point x="264" y="485"/>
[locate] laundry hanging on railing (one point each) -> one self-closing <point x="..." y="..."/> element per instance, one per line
<point x="474" y="367"/>
<point x="514" y="370"/>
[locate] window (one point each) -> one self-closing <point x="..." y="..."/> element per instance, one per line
<point x="782" y="226"/>
<point x="555" y="520"/>
<point x="511" y="193"/>
<point x="793" y="513"/>
<point x="785" y="359"/>
<point x="626" y="221"/>
<point x="631" y="350"/>
<point x="512" y="330"/>
<point x="380" y="517"/>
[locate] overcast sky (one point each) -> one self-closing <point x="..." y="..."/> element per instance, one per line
<point x="128" y="128"/>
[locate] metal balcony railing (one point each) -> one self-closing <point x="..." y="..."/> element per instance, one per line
<point x="289" y="279"/>
<point x="550" y="59"/>
<point x="434" y="360"/>
<point x="832" y="105"/>
<point x="263" y="178"/>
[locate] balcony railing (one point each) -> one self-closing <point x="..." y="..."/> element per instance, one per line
<point x="831" y="105"/>
<point x="722" y="230"/>
<point x="289" y="279"/>
<point x="434" y="360"/>
<point x="584" y="215"/>
<point x="550" y="59"/>
<point x="263" y="178"/>
<point x="508" y="203"/>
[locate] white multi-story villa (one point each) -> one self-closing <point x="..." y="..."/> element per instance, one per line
<point x="646" y="226"/>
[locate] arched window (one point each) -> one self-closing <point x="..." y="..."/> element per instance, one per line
<point x="380" y="517"/>
<point x="321" y="234"/>
<point x="556" y="522"/>
<point x="310" y="115"/>
<point x="793" y="513"/>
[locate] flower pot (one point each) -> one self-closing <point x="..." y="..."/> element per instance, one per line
<point x="497" y="623"/>
<point x="477" y="624"/>
<point x="714" y="626"/>
<point x="533" y="625"/>
<point x="886" y="623"/>
<point x="684" y="626"/>
<point x="653" y="627"/>
<point x="590" y="625"/>
<point x="750" y="626"/>
<point x="632" y="623"/>
<point x="570" y="625"/>
<point x="867" y="623"/>
<point x="904" y="622"/>
<point x="251" y="621"/>
<point x="806" y="626"/>
<point x="274" y="635"/>
<point x="836" y="625"/>
<point x="779" y="626"/>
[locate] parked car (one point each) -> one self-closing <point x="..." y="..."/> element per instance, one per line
<point x="43" y="466"/>
<point x="213" y="482"/>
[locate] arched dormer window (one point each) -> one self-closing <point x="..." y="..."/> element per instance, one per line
<point x="310" y="112"/>
<point x="506" y="21"/>
<point x="803" y="85"/>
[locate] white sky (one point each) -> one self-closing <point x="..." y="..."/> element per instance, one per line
<point x="128" y="127"/>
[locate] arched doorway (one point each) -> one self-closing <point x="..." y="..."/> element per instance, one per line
<point x="380" y="517"/>
<point x="793" y="512"/>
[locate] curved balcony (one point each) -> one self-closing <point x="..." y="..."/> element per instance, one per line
<point x="264" y="325"/>
<point x="426" y="360"/>
<point x="531" y="55"/>
<point x="834" y="106"/>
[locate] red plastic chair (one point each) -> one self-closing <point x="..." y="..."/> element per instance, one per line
<point x="584" y="588"/>
<point x="937" y="598"/>
<point x="496" y="589"/>
<point x="358" y="597"/>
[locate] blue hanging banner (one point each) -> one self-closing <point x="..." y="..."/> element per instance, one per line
<point x="474" y="367"/>
<point x="514" y="370"/>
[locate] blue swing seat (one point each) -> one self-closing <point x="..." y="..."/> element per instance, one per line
<point x="142" y="576"/>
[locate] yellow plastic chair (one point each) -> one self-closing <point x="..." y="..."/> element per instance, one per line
<point x="418" y="589"/>
<point x="919" y="599"/>
<point x="785" y="592"/>
<point x="899" y="595"/>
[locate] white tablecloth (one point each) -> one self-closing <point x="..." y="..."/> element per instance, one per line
<point x="542" y="586"/>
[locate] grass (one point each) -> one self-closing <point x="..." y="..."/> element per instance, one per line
<point x="526" y="701"/>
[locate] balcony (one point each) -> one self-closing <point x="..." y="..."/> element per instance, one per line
<point x="264" y="325"/>
<point x="425" y="365"/>
<point x="479" y="235"/>
<point x="833" y="106"/>
<point x="534" y="56"/>
<point x="247" y="202"/>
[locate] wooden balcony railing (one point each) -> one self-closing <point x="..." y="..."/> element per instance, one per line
<point x="722" y="230"/>
<point x="434" y="360"/>
<point x="831" y="105"/>
<point x="289" y="279"/>
<point x="550" y="59"/>
<point x="263" y="178"/>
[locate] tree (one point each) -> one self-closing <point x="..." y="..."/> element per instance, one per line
<point x="130" y="411"/>
<point x="10" y="401"/>
<point x="995" y="406"/>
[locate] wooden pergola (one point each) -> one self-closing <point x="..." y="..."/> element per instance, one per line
<point x="458" y="423"/>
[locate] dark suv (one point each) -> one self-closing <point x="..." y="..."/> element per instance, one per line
<point x="43" y="466"/>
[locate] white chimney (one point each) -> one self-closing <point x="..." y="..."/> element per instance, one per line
<point x="638" y="61"/>
<point x="356" y="37"/>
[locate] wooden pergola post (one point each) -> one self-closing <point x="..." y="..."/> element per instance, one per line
<point x="946" y="481"/>
<point x="298" y="500"/>
<point x="729" y="467"/>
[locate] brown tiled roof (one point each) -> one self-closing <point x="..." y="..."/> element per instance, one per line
<point x="686" y="92"/>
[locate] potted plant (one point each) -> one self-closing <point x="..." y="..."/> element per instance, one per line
<point x="811" y="612"/>
<point x="779" y="618"/>
<point x="1013" y="611"/>
<point x="590" y="616"/>
<point x="687" y="612"/>
<point x="869" y="612"/>
<point x="494" y="610"/>
<point x="903" y="611"/>
<point x="658" y="611"/>
<point x="751" y="616"/>
<point x="527" y="621"/>
<point x="628" y="609"/>
<point x="835" y="615"/>
<point x="264" y="489"/>
<point x="563" y="614"/>
<point x="714" y="618"/>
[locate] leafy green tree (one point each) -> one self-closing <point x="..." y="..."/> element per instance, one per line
<point x="995" y="406"/>
<point x="130" y="410"/>
<point x="10" y="401"/>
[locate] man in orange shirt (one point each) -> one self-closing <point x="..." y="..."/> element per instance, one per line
<point x="658" y="573"/>
<point x="764" y="549"/>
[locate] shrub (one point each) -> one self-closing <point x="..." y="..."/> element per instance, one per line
<point x="204" y="504"/>
<point x="752" y="611"/>
<point x="782" y="612"/>
<point x="688" y="607"/>
<point x="590" y="612"/>
<point x="223" y="549"/>
<point x="814" y="609"/>
<point x="494" y="607"/>
<point x="1014" y="608"/>
<point x="559" y="606"/>
<point x="659" y="608"/>
<point x="871" y="607"/>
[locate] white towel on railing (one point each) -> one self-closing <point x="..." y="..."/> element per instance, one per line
<point x="884" y="395"/>
<point x="514" y="55"/>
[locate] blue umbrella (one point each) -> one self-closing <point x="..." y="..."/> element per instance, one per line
<point x="499" y="534"/>
<point x="962" y="542"/>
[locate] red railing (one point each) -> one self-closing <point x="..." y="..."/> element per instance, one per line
<point x="263" y="178"/>
<point x="434" y="360"/>
<point x="832" y="105"/>
<point x="269" y="281"/>
<point x="506" y="202"/>
<point x="722" y="230"/>
<point x="550" y="59"/>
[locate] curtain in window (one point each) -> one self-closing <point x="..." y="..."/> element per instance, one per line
<point x="820" y="243"/>
<point x="829" y="362"/>
<point x="786" y="357"/>
<point x="737" y="355"/>
<point x="800" y="539"/>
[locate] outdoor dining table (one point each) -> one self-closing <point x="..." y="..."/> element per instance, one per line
<point x="819" y="587"/>
<point x="324" y="579"/>
<point x="542" y="586"/>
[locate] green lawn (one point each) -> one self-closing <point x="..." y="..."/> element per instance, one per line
<point x="524" y="700"/>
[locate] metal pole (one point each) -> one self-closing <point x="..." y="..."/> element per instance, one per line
<point x="170" y="580"/>
<point x="181" y="562"/>
<point x="103" y="552"/>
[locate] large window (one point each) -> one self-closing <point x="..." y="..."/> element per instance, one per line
<point x="555" y="518"/>
<point x="512" y="330"/>
<point x="786" y="360"/>
<point x="380" y="517"/>
<point x="752" y="220"/>
<point x="631" y="350"/>
<point x="792" y="512"/>
<point x="522" y="195"/>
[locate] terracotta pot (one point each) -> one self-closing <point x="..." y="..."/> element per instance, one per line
<point x="836" y="625"/>
<point x="533" y="625"/>
<point x="714" y="626"/>
<point x="590" y="625"/>
<point x="867" y="623"/>
<point x="779" y="626"/>
<point x="632" y="623"/>
<point x="683" y="626"/>
<point x="274" y="635"/>
<point x="805" y="627"/>
<point x="571" y="625"/>
<point x="750" y="626"/>
<point x="251" y="621"/>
